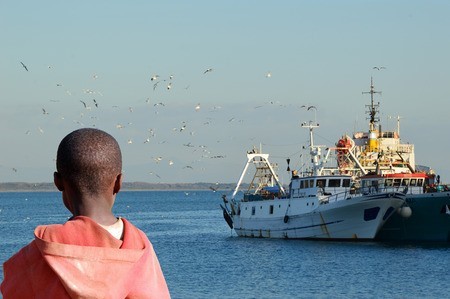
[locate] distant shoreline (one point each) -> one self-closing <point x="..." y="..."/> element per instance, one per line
<point x="127" y="186"/>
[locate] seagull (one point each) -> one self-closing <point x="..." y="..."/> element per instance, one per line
<point x="44" y="111"/>
<point x="154" y="77"/>
<point x="95" y="103"/>
<point x="268" y="75"/>
<point x="24" y="66"/>
<point x="379" y="68"/>
<point x="169" y="86"/>
<point x="84" y="104"/>
<point x="312" y="107"/>
<point x="151" y="172"/>
<point x="197" y="107"/>
<point x="207" y="71"/>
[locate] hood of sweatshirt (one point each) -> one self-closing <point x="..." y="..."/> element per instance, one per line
<point x="90" y="263"/>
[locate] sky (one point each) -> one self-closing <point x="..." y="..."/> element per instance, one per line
<point x="91" y="63"/>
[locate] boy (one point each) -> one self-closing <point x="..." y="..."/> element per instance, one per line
<point x="94" y="254"/>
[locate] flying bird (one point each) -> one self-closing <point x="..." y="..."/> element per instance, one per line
<point x="24" y="66"/>
<point x="379" y="68"/>
<point x="312" y="107"/>
<point x="151" y="172"/>
<point x="207" y="71"/>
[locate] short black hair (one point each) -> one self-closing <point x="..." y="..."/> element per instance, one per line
<point x="90" y="159"/>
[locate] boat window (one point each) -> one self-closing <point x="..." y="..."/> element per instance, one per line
<point x="311" y="183"/>
<point x="271" y="209"/>
<point x="302" y="185"/>
<point x="405" y="182"/>
<point x="420" y="182"/>
<point x="253" y="210"/>
<point x="371" y="213"/>
<point x="334" y="183"/>
<point x="397" y="182"/>
<point x="388" y="182"/>
<point x="346" y="183"/>
<point x="413" y="182"/>
<point x="306" y="184"/>
<point x="321" y="183"/>
<point x="364" y="184"/>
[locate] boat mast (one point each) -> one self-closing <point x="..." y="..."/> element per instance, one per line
<point x="314" y="150"/>
<point x="373" y="108"/>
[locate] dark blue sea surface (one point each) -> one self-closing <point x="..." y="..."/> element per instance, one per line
<point x="202" y="258"/>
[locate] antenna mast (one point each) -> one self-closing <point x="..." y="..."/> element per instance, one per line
<point x="373" y="108"/>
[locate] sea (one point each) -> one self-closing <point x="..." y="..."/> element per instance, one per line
<point x="201" y="257"/>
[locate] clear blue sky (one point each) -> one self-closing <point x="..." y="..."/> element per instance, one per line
<point x="318" y="53"/>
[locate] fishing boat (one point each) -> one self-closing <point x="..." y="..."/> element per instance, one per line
<point x="317" y="204"/>
<point x="381" y="156"/>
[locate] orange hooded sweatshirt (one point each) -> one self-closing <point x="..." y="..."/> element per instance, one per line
<point x="80" y="259"/>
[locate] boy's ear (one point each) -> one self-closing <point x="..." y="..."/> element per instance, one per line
<point x="57" y="179"/>
<point x="117" y="184"/>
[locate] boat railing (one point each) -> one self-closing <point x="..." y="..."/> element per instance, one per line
<point x="262" y="196"/>
<point x="359" y="191"/>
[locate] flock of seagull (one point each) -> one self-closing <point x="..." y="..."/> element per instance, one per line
<point x="93" y="106"/>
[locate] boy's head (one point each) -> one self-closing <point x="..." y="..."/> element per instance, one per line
<point x="89" y="159"/>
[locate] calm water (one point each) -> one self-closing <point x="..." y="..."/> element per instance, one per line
<point x="201" y="258"/>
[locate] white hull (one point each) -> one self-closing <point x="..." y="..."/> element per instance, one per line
<point x="356" y="218"/>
